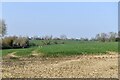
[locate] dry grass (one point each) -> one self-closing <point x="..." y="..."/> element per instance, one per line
<point x="12" y="56"/>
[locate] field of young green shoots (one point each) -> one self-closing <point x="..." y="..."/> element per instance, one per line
<point x="69" y="47"/>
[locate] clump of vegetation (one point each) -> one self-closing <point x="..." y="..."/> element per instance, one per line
<point x="62" y="42"/>
<point x="14" y="42"/>
<point x="55" y="42"/>
<point x="46" y="42"/>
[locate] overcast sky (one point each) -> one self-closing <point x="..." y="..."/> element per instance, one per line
<point x="74" y="19"/>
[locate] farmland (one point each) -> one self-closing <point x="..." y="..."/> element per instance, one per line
<point x="66" y="39"/>
<point x="70" y="47"/>
<point x="73" y="59"/>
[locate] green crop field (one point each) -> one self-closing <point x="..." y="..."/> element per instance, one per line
<point x="70" y="47"/>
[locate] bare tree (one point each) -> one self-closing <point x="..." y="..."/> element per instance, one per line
<point x="119" y="34"/>
<point x="98" y="37"/>
<point x="2" y="28"/>
<point x="47" y="37"/>
<point x="102" y="37"/>
<point x="112" y="36"/>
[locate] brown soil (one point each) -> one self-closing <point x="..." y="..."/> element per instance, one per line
<point x="83" y="66"/>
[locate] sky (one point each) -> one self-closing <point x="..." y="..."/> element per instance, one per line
<point x="60" y="0"/>
<point x="74" y="19"/>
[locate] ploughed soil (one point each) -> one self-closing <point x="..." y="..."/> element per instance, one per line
<point x="80" y="66"/>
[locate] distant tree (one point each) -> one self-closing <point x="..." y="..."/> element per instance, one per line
<point x="112" y="36"/>
<point x="119" y="34"/>
<point x="102" y="37"/>
<point x="47" y="37"/>
<point x="63" y="37"/>
<point x="92" y="39"/>
<point x="73" y="38"/>
<point x="86" y="39"/>
<point x="98" y="37"/>
<point x="35" y="37"/>
<point x="81" y="39"/>
<point x="51" y="37"/>
<point x="2" y="28"/>
<point x="56" y="38"/>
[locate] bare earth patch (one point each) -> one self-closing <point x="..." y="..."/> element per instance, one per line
<point x="83" y="66"/>
<point x="12" y="56"/>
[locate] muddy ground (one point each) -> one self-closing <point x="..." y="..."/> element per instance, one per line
<point x="82" y="66"/>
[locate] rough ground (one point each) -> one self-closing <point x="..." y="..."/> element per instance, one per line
<point x="83" y="66"/>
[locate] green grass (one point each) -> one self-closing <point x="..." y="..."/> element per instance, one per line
<point x="76" y="48"/>
<point x="69" y="48"/>
<point x="19" y="52"/>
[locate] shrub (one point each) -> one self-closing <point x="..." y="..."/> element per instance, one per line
<point x="55" y="42"/>
<point x="7" y="42"/>
<point x="62" y="42"/>
<point x="23" y="41"/>
<point x="15" y="42"/>
<point x="32" y="44"/>
<point x="46" y="42"/>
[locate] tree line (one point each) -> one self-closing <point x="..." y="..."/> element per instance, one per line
<point x="23" y="42"/>
<point x="102" y="37"/>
